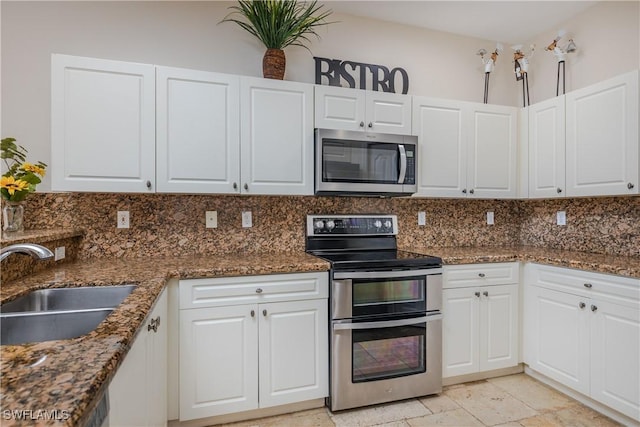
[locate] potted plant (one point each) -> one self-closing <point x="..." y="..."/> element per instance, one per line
<point x="278" y="24"/>
<point x="20" y="179"/>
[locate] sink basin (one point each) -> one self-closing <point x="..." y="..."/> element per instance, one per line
<point x="57" y="314"/>
<point x="20" y="328"/>
<point x="69" y="299"/>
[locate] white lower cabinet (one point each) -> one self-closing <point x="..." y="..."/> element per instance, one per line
<point x="481" y="318"/>
<point x="582" y="330"/>
<point x="138" y="391"/>
<point x="238" y="357"/>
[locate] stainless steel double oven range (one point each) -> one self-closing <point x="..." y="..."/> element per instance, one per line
<point x="386" y="324"/>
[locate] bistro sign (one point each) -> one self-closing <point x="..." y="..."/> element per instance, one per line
<point x="358" y="73"/>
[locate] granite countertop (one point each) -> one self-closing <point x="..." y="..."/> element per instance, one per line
<point x="69" y="376"/>
<point x="609" y="264"/>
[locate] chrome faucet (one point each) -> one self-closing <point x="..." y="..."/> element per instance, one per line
<point x="36" y="251"/>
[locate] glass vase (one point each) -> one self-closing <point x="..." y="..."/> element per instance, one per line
<point x="12" y="217"/>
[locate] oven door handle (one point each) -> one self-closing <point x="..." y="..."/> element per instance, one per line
<point x="386" y="324"/>
<point x="385" y="274"/>
<point x="403" y="163"/>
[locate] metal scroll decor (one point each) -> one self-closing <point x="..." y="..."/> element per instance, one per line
<point x="357" y="73"/>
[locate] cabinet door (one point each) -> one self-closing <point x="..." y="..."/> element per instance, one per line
<point x="492" y="154"/>
<point x="460" y="331"/>
<point x="276" y="137"/>
<point x="602" y="138"/>
<point x="218" y="361"/>
<point x="157" y="363"/>
<point x="293" y="352"/>
<point x="442" y="147"/>
<point x="615" y="356"/>
<point x="102" y="125"/>
<point x="388" y="113"/>
<point x="339" y="108"/>
<point x="198" y="131"/>
<point x="560" y="341"/>
<point x="547" y="148"/>
<point x="499" y="324"/>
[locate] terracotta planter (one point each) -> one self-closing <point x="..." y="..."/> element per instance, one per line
<point x="273" y="64"/>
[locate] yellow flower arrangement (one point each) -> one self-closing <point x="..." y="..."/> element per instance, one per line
<point x="21" y="177"/>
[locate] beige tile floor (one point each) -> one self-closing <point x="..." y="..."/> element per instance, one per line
<point x="511" y="401"/>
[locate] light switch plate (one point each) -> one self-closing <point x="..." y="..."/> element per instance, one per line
<point x="123" y="219"/>
<point x="561" y="218"/>
<point x="247" y="220"/>
<point x="59" y="253"/>
<point x="422" y="218"/>
<point x="490" y="219"/>
<point x="211" y="219"/>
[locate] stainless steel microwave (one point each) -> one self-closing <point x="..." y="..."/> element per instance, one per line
<point x="364" y="163"/>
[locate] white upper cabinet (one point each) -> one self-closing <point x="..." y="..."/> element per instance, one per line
<point x="198" y="131"/>
<point x="102" y="125"/>
<point x="547" y="148"/>
<point x="276" y="137"/>
<point x="602" y="138"/>
<point x="360" y="110"/>
<point x="465" y="149"/>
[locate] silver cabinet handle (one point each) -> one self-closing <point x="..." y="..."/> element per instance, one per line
<point x="403" y="163"/>
<point x="588" y="285"/>
<point x="481" y="274"/>
<point x="630" y="186"/>
<point x="259" y="291"/>
<point x="149" y="184"/>
<point x="361" y="124"/>
<point x="477" y="294"/>
<point x="485" y="293"/>
<point x="253" y="313"/>
<point x="264" y="313"/>
<point x="471" y="191"/>
<point x="582" y="305"/>
<point x="370" y="125"/>
<point x="246" y="186"/>
<point x="559" y="190"/>
<point x="235" y="185"/>
<point x="594" y="308"/>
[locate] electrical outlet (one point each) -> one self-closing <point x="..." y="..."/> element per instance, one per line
<point x="422" y="218"/>
<point x="490" y="219"/>
<point x="211" y="219"/>
<point x="59" y="253"/>
<point x="561" y="218"/>
<point x="247" y="221"/>
<point x="123" y="219"/>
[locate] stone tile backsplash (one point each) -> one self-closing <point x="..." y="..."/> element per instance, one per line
<point x="167" y="225"/>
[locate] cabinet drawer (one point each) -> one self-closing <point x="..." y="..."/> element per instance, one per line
<point x="213" y="292"/>
<point x="462" y="276"/>
<point x="617" y="289"/>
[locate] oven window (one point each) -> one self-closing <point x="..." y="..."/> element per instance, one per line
<point x="388" y="296"/>
<point x="388" y="352"/>
<point x="359" y="161"/>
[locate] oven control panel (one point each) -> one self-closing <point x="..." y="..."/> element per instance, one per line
<point x="340" y="225"/>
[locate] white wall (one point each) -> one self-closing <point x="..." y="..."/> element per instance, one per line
<point x="187" y="34"/>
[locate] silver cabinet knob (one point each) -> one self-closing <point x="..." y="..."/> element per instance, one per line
<point x="235" y="185"/>
<point x="370" y="125"/>
<point x="588" y="285"/>
<point x="246" y="186"/>
<point x="594" y="308"/>
<point x="630" y="186"/>
<point x="477" y="294"/>
<point x="154" y="324"/>
<point x="361" y="124"/>
<point x="264" y="313"/>
<point x="259" y="291"/>
<point x="253" y="313"/>
<point x="559" y="190"/>
<point x="471" y="191"/>
<point x="481" y="274"/>
<point x="582" y="305"/>
<point x="149" y="184"/>
<point x="464" y="191"/>
<point x="485" y="293"/>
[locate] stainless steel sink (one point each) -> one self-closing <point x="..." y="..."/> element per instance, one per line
<point x="61" y="313"/>
<point x="21" y="328"/>
<point x="69" y="299"/>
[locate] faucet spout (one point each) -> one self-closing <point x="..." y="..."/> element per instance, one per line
<point x="36" y="251"/>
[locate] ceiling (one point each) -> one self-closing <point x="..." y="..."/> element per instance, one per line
<point x="503" y="21"/>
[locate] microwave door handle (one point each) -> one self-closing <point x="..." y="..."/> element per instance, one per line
<point x="403" y="163"/>
<point x="387" y="324"/>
